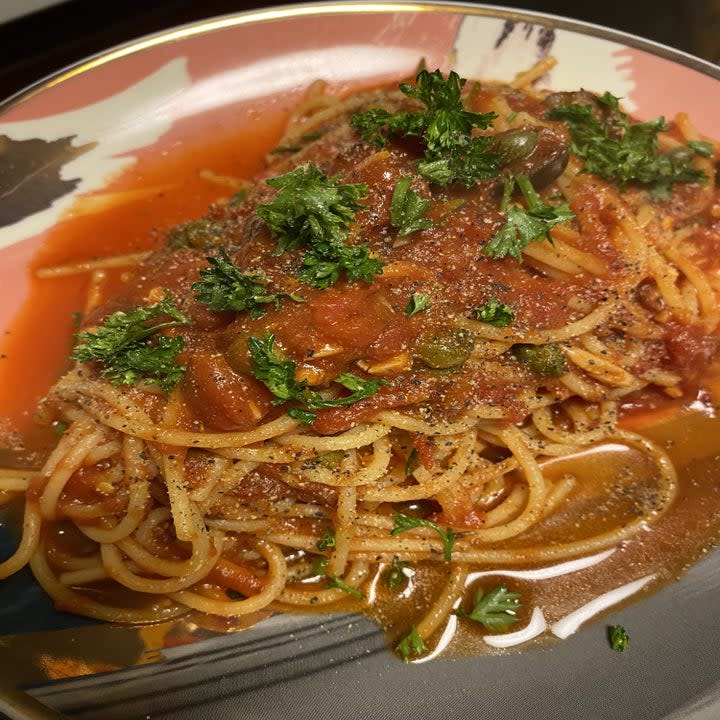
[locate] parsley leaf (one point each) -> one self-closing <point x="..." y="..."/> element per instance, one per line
<point x="417" y="303"/>
<point x="495" y="609"/>
<point x="620" y="151"/>
<point x="278" y="375"/>
<point x="310" y="207"/>
<point x="407" y="209"/>
<point x="129" y="348"/>
<point x="495" y="313"/>
<point x="405" y="522"/>
<point x="452" y="153"/>
<point x="223" y="286"/>
<point x="337" y="582"/>
<point x="412" y="462"/>
<point x="396" y="577"/>
<point x="315" y="212"/>
<point x="618" y="638"/>
<point x="525" y="225"/>
<point x="323" y="264"/>
<point x="411" y="645"/>
<point x="327" y="541"/>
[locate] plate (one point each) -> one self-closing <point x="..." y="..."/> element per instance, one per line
<point x="113" y="124"/>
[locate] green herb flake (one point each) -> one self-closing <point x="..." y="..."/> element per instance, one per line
<point x="618" y="638"/>
<point x="278" y="375"/>
<point x="130" y="348"/>
<point x="407" y="209"/>
<point x="238" y="198"/>
<point x="495" y="609"/>
<point x="337" y="582"/>
<point x="223" y="286"/>
<point x="452" y="152"/>
<point x="411" y="645"/>
<point x="525" y="225"/>
<point x="59" y="427"/>
<point x="412" y="462"/>
<point x="403" y="523"/>
<point x="397" y="575"/>
<point x="496" y="313"/>
<point x="327" y="541"/>
<point x="622" y="151"/>
<point x="417" y="303"/>
<point x="701" y="147"/>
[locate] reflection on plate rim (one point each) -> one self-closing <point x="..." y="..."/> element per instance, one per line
<point x="351" y="7"/>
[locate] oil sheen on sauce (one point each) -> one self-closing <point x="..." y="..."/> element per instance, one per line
<point x="613" y="477"/>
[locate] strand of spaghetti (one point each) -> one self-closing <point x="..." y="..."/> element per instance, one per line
<point x="32" y="524"/>
<point x="558" y="492"/>
<point x="415" y="425"/>
<point x="146" y="430"/>
<point x="341" y="477"/>
<point x="85" y="266"/>
<point x="214" y="472"/>
<point x="543" y="420"/>
<point x="85" y="439"/>
<point x="456" y="467"/>
<point x="447" y="598"/>
<point x="705" y="294"/>
<point x="68" y="600"/>
<point x="508" y="508"/>
<point x="553" y="257"/>
<point x="139" y="496"/>
<point x="527" y="77"/>
<point x="96" y="291"/>
<point x="181" y="508"/>
<point x="599" y="367"/>
<point x="277" y="574"/>
<point x="345" y="514"/>
<point x="84" y="576"/>
<point x="584" y="260"/>
<point x="117" y="569"/>
<point x="14" y="484"/>
<point x="514" y="440"/>
<point x="358" y="436"/>
<point x="298" y="596"/>
<point x="541" y="337"/>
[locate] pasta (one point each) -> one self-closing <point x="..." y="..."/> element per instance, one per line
<point x="400" y="370"/>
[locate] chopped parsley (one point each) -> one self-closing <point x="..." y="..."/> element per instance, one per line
<point x="452" y="152"/>
<point x="417" y="303"/>
<point x="495" y="609"/>
<point x="407" y="209"/>
<point x="327" y="541"/>
<point x="337" y="582"/>
<point x="412" y="462"/>
<point x="223" y="286"/>
<point x="405" y="522"/>
<point x="524" y="225"/>
<point x="622" y="151"/>
<point x="495" y="313"/>
<point x="396" y="576"/>
<point x="278" y="375"/>
<point x="411" y="645"/>
<point x="618" y="638"/>
<point x="130" y="348"/>
<point x="315" y="212"/>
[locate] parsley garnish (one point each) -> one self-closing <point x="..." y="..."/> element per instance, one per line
<point x="237" y="198"/>
<point x="411" y="645"/>
<point x="412" y="462"/>
<point x="315" y="212"/>
<point x="278" y="375"/>
<point x="495" y="609"/>
<point x="407" y="209"/>
<point x="327" y="541"/>
<point x="618" y="638"/>
<point x="495" y="313"/>
<point x="395" y="577"/>
<point x="417" y="303"/>
<point x="337" y="582"/>
<point x="524" y="225"/>
<point x="620" y="151"/>
<point x="405" y="522"/>
<point x="223" y="286"/>
<point x="130" y="349"/>
<point x="452" y="153"/>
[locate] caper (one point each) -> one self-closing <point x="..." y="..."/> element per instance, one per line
<point x="548" y="360"/>
<point x="445" y="348"/>
<point x="196" y="234"/>
<point x="513" y="145"/>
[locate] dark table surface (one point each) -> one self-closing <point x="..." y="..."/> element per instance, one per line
<point x="40" y="44"/>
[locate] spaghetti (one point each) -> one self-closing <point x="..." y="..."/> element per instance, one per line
<point x="217" y="494"/>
